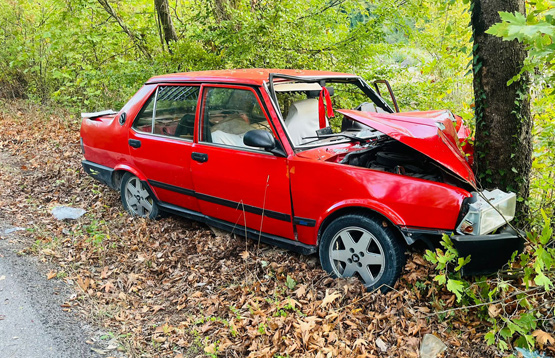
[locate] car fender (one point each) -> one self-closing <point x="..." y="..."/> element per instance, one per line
<point x="131" y="170"/>
<point x="359" y="204"/>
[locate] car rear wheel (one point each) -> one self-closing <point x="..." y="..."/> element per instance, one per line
<point x="136" y="199"/>
<point x="364" y="247"/>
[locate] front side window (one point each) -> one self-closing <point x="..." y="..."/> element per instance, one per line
<point x="229" y="113"/>
<point x="170" y="111"/>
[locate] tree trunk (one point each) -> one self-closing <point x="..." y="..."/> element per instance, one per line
<point x="222" y="7"/>
<point x="503" y="148"/>
<point x="163" y="11"/>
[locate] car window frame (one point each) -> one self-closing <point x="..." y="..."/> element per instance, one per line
<point x="201" y="112"/>
<point x="155" y="94"/>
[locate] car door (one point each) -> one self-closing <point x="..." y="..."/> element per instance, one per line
<point x="161" y="140"/>
<point x="241" y="185"/>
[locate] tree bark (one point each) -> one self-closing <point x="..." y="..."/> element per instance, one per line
<point x="163" y="11"/>
<point x="503" y="147"/>
<point x="221" y="9"/>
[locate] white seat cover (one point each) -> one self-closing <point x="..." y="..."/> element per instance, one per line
<point x="302" y="120"/>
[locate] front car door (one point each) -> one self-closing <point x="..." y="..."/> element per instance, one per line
<point x="241" y="185"/>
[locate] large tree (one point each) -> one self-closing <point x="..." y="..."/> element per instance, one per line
<point x="503" y="124"/>
<point x="165" y="21"/>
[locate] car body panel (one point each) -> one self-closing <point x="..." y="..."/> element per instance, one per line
<point x="432" y="134"/>
<point x="254" y="76"/>
<point x="404" y="201"/>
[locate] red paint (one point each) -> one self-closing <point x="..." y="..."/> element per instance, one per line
<point x="432" y="134"/>
<point x="309" y="184"/>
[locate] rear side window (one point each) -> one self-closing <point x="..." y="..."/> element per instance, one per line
<point x="170" y="111"/>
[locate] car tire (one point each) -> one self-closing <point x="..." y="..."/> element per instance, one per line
<point x="363" y="246"/>
<point x="136" y="198"/>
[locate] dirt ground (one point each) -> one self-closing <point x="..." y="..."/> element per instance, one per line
<point x="172" y="287"/>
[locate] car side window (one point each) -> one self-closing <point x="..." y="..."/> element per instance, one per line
<point x="229" y="113"/>
<point x="170" y="111"/>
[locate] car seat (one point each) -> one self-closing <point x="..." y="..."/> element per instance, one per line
<point x="302" y="120"/>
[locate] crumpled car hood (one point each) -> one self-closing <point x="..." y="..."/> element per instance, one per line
<point x="431" y="133"/>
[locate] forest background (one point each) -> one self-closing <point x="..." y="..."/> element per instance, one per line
<point x="89" y="55"/>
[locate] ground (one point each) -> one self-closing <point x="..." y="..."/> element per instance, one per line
<point x="172" y="287"/>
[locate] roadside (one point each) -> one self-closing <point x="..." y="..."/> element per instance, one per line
<point x="172" y="288"/>
<point x="36" y="318"/>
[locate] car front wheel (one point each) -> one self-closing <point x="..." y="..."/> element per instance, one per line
<point x="136" y="199"/>
<point x="364" y="247"/>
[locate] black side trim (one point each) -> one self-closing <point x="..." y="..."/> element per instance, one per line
<point x="248" y="208"/>
<point x="177" y="189"/>
<point x="224" y="202"/>
<point x="99" y="172"/>
<point x="304" y="222"/>
<point x="240" y="230"/>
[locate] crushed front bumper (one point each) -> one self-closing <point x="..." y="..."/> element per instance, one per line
<point x="488" y="253"/>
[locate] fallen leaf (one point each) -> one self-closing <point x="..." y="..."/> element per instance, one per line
<point x="330" y="297"/>
<point x="51" y="275"/>
<point x="494" y="310"/>
<point x="543" y="338"/>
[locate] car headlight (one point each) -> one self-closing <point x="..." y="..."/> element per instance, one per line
<point x="482" y="217"/>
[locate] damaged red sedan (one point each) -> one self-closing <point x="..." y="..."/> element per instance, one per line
<point x="311" y="161"/>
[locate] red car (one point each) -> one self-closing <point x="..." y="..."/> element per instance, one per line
<point x="310" y="161"/>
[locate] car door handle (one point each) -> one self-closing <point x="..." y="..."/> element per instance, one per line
<point x="200" y="157"/>
<point x="135" y="143"/>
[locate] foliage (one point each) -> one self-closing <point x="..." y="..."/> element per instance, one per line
<point x="76" y="54"/>
<point x="536" y="31"/>
<point x="518" y="302"/>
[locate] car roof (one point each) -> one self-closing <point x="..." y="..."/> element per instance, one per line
<point x="253" y="76"/>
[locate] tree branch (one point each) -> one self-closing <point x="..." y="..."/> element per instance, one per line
<point x="138" y="43"/>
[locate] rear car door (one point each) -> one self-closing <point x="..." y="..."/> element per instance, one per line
<point x="241" y="185"/>
<point x="161" y="140"/>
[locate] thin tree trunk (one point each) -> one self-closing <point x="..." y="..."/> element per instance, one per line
<point x="221" y="9"/>
<point x="163" y="11"/>
<point x="503" y="125"/>
<point x="138" y="43"/>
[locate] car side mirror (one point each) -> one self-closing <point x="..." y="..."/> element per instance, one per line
<point x="262" y="139"/>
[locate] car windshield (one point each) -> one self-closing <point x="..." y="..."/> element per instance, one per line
<point x="300" y="103"/>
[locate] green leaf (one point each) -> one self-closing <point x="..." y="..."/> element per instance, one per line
<point x="290" y="282"/>
<point x="456" y="287"/>
<point x="542" y="280"/>
<point x="440" y="279"/>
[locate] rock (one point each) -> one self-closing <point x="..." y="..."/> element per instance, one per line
<point x="13" y="229"/>
<point x="431" y="346"/>
<point x="529" y="354"/>
<point x="381" y="345"/>
<point x="65" y="212"/>
<point x="218" y="233"/>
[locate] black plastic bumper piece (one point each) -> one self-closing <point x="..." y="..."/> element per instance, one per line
<point x="99" y="172"/>
<point x="488" y="253"/>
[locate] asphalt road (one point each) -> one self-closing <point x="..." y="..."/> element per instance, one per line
<point x="32" y="321"/>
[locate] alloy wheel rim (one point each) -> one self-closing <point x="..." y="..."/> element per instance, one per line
<point x="354" y="251"/>
<point x="138" y="199"/>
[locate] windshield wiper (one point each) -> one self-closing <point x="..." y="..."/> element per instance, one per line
<point x="324" y="136"/>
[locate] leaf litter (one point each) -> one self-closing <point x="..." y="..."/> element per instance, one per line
<point x="171" y="287"/>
